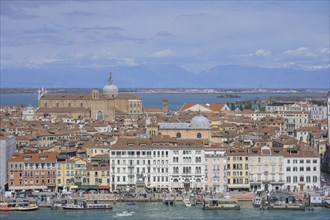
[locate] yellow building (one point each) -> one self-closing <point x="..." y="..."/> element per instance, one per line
<point x="70" y="173"/>
<point x="237" y="169"/>
<point x="98" y="175"/>
<point x="105" y="106"/>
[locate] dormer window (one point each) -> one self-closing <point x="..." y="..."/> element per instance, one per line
<point x="43" y="157"/>
<point x="27" y="157"/>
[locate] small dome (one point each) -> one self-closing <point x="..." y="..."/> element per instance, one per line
<point x="110" y="89"/>
<point x="199" y="122"/>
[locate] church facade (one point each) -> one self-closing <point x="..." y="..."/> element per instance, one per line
<point x="105" y="105"/>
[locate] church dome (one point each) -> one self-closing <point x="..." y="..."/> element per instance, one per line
<point x="110" y="89"/>
<point x="199" y="121"/>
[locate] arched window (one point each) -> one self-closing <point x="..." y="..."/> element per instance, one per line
<point x="56" y="104"/>
<point x="81" y="104"/>
<point x="199" y="135"/>
<point x="45" y="104"/>
<point x="178" y="135"/>
<point x="69" y="104"/>
<point x="99" y="115"/>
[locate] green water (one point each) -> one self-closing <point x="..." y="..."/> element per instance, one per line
<point x="150" y="211"/>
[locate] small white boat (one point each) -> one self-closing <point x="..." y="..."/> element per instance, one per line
<point x="124" y="214"/>
<point x="187" y="202"/>
<point x="256" y="201"/>
<point x="327" y="203"/>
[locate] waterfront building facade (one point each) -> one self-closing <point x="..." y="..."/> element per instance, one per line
<point x="162" y="163"/>
<point x="266" y="169"/>
<point x="32" y="171"/>
<point x="302" y="170"/>
<point x="237" y="169"/>
<point x="216" y="166"/>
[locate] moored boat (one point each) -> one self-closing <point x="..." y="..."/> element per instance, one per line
<point x="30" y="207"/>
<point x="4" y="206"/>
<point x="327" y="203"/>
<point x="187" y="202"/>
<point x="287" y="207"/>
<point x="222" y="204"/>
<point x="18" y="206"/>
<point x="87" y="206"/>
<point x="256" y="201"/>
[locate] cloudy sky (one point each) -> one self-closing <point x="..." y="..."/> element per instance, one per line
<point x="194" y="35"/>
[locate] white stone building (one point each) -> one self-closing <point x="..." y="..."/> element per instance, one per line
<point x="29" y="114"/>
<point x="7" y="149"/>
<point x="315" y="111"/>
<point x="302" y="170"/>
<point x="164" y="163"/>
<point x="266" y="169"/>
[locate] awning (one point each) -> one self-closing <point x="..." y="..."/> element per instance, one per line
<point x="104" y="187"/>
<point x="92" y="187"/>
<point x="73" y="187"/>
<point x="255" y="184"/>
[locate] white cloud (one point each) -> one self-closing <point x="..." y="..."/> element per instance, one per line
<point x="259" y="52"/>
<point x="325" y="50"/>
<point x="263" y="53"/>
<point x="163" y="53"/>
<point x="316" y="67"/>
<point x="301" y="51"/>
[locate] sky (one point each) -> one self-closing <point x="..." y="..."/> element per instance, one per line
<point x="194" y="35"/>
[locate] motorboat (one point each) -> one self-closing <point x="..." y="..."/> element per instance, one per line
<point x="87" y="206"/>
<point x="130" y="203"/>
<point x="221" y="204"/>
<point x="125" y="214"/>
<point x="187" y="202"/>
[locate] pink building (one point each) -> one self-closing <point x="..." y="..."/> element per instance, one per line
<point x="215" y="161"/>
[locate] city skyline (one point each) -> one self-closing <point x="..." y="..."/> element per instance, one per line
<point x="189" y="43"/>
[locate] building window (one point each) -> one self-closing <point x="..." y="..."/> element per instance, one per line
<point x="81" y="104"/>
<point x="99" y="115"/>
<point x="45" y="104"/>
<point x="69" y="104"/>
<point x="199" y="135"/>
<point x="295" y="179"/>
<point x="56" y="104"/>
<point x="178" y="135"/>
<point x="288" y="179"/>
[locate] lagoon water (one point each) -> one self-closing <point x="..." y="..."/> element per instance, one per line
<point x="155" y="99"/>
<point x="159" y="211"/>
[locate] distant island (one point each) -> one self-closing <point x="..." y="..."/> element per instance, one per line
<point x="224" y="93"/>
<point x="229" y="96"/>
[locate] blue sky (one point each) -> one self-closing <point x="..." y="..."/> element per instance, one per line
<point x="194" y="35"/>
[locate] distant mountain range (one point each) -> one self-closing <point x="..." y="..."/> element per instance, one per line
<point x="165" y="76"/>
